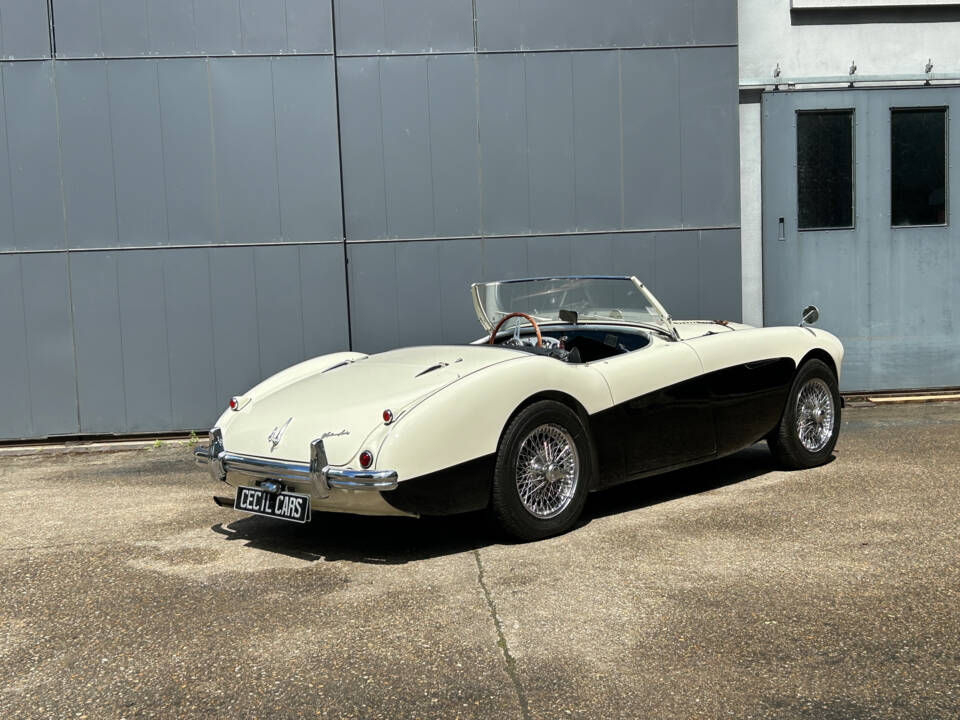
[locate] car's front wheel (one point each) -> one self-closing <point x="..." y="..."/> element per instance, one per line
<point x="810" y="425"/>
<point x="542" y="474"/>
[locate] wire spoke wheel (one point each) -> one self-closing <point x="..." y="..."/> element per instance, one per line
<point x="547" y="471"/>
<point x="815" y="415"/>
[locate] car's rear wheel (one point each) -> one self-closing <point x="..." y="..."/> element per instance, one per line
<point x="542" y="474"/>
<point x="810" y="425"/>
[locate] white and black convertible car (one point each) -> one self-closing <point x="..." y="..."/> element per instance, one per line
<point x="582" y="383"/>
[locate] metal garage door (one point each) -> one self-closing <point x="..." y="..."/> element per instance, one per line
<point x="857" y="219"/>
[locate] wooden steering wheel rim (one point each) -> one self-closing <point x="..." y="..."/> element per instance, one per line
<point x="493" y="335"/>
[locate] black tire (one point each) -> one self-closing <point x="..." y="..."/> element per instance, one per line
<point x="559" y="424"/>
<point x="790" y="451"/>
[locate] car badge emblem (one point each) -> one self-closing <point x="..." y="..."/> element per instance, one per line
<point x="342" y="433"/>
<point x="274" y="437"/>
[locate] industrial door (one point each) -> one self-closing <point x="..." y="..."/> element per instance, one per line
<point x="857" y="220"/>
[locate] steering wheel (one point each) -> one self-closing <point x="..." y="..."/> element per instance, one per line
<point x="493" y="335"/>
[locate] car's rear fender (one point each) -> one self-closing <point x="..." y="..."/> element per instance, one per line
<point x="464" y="421"/>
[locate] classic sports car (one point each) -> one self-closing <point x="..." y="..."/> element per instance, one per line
<point x="590" y="385"/>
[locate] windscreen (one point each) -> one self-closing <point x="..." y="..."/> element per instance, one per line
<point x="593" y="299"/>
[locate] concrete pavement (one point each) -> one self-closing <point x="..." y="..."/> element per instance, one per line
<point x="728" y="590"/>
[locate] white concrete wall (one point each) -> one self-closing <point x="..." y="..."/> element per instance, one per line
<point x="768" y="36"/>
<point x="751" y="250"/>
<point x="884" y="43"/>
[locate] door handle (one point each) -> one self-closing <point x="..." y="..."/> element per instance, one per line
<point x="780" y="234"/>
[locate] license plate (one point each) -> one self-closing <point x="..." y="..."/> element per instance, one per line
<point x="294" y="507"/>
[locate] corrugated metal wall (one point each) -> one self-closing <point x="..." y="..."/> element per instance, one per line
<point x="172" y="225"/>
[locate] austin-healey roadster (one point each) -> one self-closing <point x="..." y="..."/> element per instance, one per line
<point x="581" y="383"/>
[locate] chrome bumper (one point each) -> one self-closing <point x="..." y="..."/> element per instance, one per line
<point x="317" y="473"/>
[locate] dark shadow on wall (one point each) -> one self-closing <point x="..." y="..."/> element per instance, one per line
<point x="397" y="540"/>
<point x="866" y="16"/>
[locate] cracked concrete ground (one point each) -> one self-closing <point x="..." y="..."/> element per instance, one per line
<point x="728" y="590"/>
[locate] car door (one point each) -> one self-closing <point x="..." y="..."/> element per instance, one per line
<point x="748" y="378"/>
<point x="661" y="416"/>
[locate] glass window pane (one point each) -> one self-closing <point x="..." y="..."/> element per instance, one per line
<point x="825" y="169"/>
<point x="918" y="168"/>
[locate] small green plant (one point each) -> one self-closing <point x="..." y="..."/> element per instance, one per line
<point x="157" y="443"/>
<point x="193" y="439"/>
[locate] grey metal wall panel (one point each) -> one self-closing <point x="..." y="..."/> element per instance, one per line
<point x="189" y="322"/>
<point x="99" y="347"/>
<point x="593" y="254"/>
<point x="409" y="144"/>
<point x="218" y="27"/>
<point x="235" y="330"/>
<point x="279" y="307"/>
<point x="361" y="147"/>
<point x="171" y="27"/>
<point x="248" y="196"/>
<point x="309" y="26"/>
<point x="715" y="22"/>
<point x="549" y="105"/>
<point x="263" y="26"/>
<point x="30" y="109"/>
<point x="146" y="352"/>
<point x="709" y="136"/>
<point x="111" y="28"/>
<point x="596" y="140"/>
<point x="124" y="30"/>
<point x="79" y="29"/>
<point x="651" y="139"/>
<point x="461" y="262"/>
<point x="406" y="147"/>
<point x="454" y="154"/>
<point x="23" y="29"/>
<point x="8" y="235"/>
<point x="86" y="154"/>
<point x="412" y="26"/>
<point x="15" y="421"/>
<point x="137" y="147"/>
<point x="373" y="276"/>
<point x="552" y="24"/>
<point x="720" y="275"/>
<point x="307" y="154"/>
<point x="418" y="289"/>
<point x="50" y="358"/>
<point x="324" y="299"/>
<point x="549" y="256"/>
<point x="636" y="254"/>
<point x="504" y="144"/>
<point x="187" y="152"/>
<point x="676" y="273"/>
<point x="504" y="258"/>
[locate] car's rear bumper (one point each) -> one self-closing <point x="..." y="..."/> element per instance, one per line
<point x="317" y="474"/>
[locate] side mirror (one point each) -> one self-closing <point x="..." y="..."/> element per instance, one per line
<point x="810" y="315"/>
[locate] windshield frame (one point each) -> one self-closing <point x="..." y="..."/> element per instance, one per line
<point x="665" y="320"/>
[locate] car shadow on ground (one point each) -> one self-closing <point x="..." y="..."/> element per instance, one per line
<point x="396" y="540"/>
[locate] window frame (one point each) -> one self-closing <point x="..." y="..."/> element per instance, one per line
<point x="946" y="164"/>
<point x="852" y="112"/>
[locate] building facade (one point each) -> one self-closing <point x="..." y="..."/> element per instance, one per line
<point x="195" y="194"/>
<point x="849" y="120"/>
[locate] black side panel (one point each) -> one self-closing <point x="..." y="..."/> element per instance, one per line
<point x="671" y="426"/>
<point x="748" y="401"/>
<point x="458" y="489"/>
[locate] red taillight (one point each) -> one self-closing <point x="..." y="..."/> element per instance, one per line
<point x="234" y="403"/>
<point x="366" y="459"/>
<point x="387" y="416"/>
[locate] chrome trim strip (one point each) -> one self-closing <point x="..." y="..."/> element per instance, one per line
<point x="317" y="472"/>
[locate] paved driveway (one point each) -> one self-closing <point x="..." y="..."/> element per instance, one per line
<point x="729" y="590"/>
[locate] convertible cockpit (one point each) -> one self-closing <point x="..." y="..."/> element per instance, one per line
<point x="576" y="343"/>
